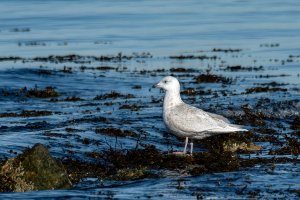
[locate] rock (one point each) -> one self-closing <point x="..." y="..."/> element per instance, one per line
<point x="34" y="169"/>
<point x="233" y="146"/>
<point x="129" y="174"/>
<point x="231" y="142"/>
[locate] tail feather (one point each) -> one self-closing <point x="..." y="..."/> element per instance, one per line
<point x="228" y="129"/>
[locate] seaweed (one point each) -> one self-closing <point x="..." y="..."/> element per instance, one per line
<point x="202" y="57"/>
<point x="212" y="78"/>
<point x="43" y="93"/>
<point x="264" y="89"/>
<point x="181" y="70"/>
<point x="251" y="116"/>
<point x="116" y="132"/>
<point x="295" y="125"/>
<point x="226" y="50"/>
<point x="113" y="95"/>
<point x="27" y="113"/>
<point x="133" y="107"/>
<point x="236" y="68"/>
<point x="193" y="92"/>
<point x="73" y="98"/>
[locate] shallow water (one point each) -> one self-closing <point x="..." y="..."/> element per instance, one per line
<point x="266" y="33"/>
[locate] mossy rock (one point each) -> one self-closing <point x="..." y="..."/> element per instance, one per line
<point x="129" y="174"/>
<point x="234" y="146"/>
<point x="231" y="142"/>
<point x="35" y="169"/>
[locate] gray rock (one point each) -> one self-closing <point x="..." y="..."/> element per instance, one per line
<point x="34" y="169"/>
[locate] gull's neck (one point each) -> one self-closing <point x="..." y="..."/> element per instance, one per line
<point x="172" y="98"/>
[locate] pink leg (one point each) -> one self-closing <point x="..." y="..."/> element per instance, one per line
<point x="185" y="146"/>
<point x="192" y="146"/>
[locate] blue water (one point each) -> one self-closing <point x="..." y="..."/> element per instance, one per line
<point x="265" y="31"/>
<point x="160" y="27"/>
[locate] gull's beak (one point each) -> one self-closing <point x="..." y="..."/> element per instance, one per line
<point x="158" y="85"/>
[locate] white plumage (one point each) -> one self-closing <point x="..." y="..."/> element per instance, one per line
<point x="187" y="121"/>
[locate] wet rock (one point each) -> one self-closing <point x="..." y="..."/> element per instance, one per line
<point x="234" y="146"/>
<point x="35" y="169"/>
<point x="231" y="142"/>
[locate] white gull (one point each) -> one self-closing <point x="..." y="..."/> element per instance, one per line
<point x="187" y="121"/>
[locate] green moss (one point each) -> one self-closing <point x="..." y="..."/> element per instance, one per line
<point x="12" y="178"/>
<point x="129" y="174"/>
<point x="35" y="169"/>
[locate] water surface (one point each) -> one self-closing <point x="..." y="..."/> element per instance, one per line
<point x="266" y="32"/>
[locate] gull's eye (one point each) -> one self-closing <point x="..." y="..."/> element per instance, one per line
<point x="165" y="81"/>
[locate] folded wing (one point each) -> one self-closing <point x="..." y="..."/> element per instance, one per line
<point x="187" y="118"/>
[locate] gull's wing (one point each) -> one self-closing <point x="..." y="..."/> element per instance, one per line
<point x="187" y="118"/>
<point x="218" y="117"/>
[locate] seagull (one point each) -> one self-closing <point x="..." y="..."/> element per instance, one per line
<point x="187" y="121"/>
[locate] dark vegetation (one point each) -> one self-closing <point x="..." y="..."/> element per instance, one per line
<point x="27" y="113"/>
<point x="113" y="95"/>
<point x="212" y="78"/>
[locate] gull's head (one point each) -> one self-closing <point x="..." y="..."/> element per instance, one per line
<point x="169" y="83"/>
